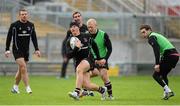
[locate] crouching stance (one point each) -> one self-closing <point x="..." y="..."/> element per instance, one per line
<point x="84" y="61"/>
<point x="166" y="57"/>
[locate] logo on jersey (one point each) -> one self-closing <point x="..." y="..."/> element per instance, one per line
<point x="85" y="39"/>
<point x="24" y="31"/>
<point x="28" y="28"/>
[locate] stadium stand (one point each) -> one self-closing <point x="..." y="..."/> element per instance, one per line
<point x="84" y="5"/>
<point x="119" y="18"/>
<point x="45" y="28"/>
<point x="174" y="25"/>
<point x="133" y="6"/>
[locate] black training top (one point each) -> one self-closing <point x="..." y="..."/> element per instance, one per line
<point x="21" y="33"/>
<point x="152" y="40"/>
<point x="83" y="29"/>
<point x="84" y="52"/>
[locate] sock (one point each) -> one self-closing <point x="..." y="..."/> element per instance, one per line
<point x="101" y="90"/>
<point x="15" y="87"/>
<point x="28" y="87"/>
<point x="167" y="89"/>
<point x="77" y="90"/>
<point x="108" y="85"/>
<point x="85" y="89"/>
<point x="166" y="80"/>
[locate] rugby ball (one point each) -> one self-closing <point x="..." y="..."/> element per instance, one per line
<point x="73" y="41"/>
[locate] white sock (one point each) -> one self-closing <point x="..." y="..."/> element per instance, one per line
<point x="167" y="89"/>
<point x="28" y="87"/>
<point x="15" y="87"/>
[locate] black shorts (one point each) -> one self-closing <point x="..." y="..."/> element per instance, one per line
<point x="21" y="54"/>
<point x="104" y="66"/>
<point x="168" y="61"/>
<point x="169" y="58"/>
<point x="90" y="61"/>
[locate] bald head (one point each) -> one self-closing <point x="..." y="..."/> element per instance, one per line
<point x="91" y="21"/>
<point x="92" y="26"/>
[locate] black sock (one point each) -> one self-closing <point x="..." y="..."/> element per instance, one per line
<point x="109" y="88"/>
<point x="101" y="90"/>
<point x="165" y="79"/>
<point x="77" y="90"/>
<point x="85" y="89"/>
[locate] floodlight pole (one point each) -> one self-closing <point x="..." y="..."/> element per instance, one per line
<point x="31" y="2"/>
<point x="145" y="7"/>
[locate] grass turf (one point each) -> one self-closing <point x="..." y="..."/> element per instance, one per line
<point x="127" y="90"/>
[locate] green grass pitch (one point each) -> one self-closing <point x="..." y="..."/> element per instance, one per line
<point x="128" y="90"/>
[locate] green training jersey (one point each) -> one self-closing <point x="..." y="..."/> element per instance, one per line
<point x="163" y="42"/>
<point x="99" y="39"/>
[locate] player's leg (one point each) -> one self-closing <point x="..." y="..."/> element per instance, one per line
<point x="26" y="58"/>
<point x="107" y="82"/>
<point x="82" y="67"/>
<point x="167" y="91"/>
<point x="17" y="77"/>
<point x="28" y="88"/>
<point x="24" y="74"/>
<point x="15" y="88"/>
<point x="164" y="70"/>
<point x="92" y="86"/>
<point x="94" y="73"/>
<point x="87" y="83"/>
<point x="64" y="67"/>
<point x="161" y="76"/>
<point x="80" y="70"/>
<point x="167" y="65"/>
<point x="157" y="77"/>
